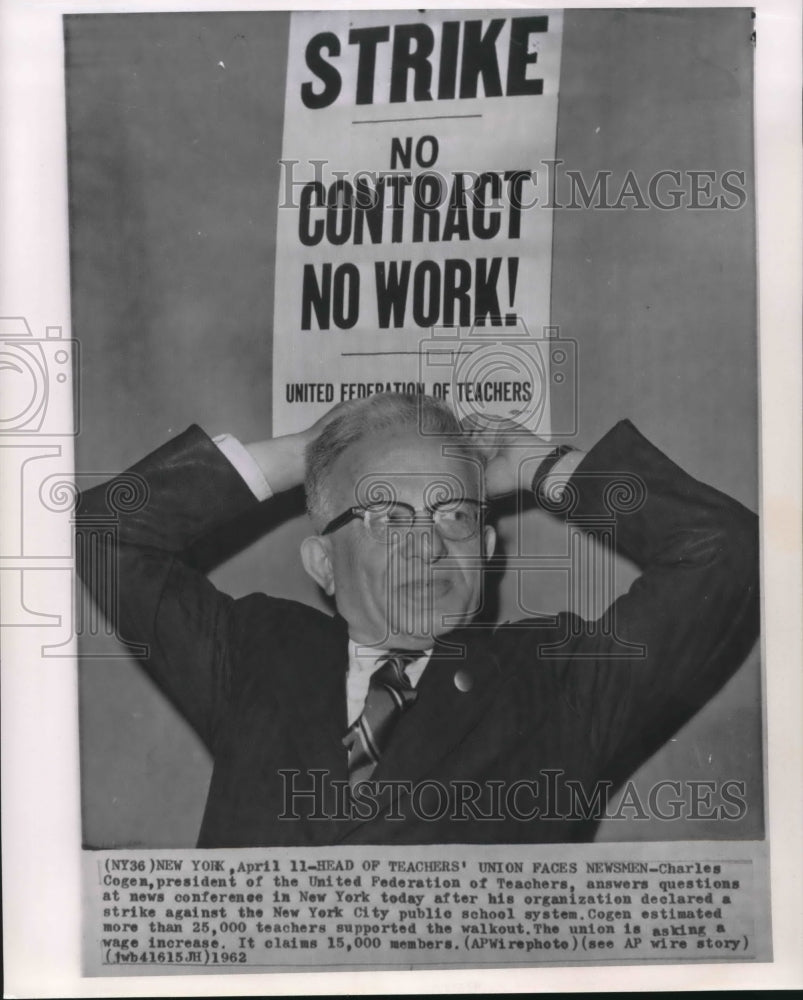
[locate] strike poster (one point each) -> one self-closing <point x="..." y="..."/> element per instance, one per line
<point x="414" y="225"/>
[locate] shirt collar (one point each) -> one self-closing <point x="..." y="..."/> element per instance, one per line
<point x="364" y="657"/>
<point x="363" y="661"/>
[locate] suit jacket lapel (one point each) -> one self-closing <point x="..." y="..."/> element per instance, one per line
<point x="442" y="716"/>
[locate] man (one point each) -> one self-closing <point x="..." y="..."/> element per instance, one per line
<point x="400" y="720"/>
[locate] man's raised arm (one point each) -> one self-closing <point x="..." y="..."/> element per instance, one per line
<point x="132" y="555"/>
<point x="684" y="626"/>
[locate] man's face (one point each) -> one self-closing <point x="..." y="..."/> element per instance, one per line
<point x="405" y="590"/>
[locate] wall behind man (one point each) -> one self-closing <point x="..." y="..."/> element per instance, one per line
<point x="175" y="125"/>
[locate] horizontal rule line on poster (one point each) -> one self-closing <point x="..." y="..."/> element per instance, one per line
<point x="463" y="351"/>
<point x="422" y="118"/>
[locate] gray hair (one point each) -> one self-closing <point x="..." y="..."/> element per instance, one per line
<point x="361" y="418"/>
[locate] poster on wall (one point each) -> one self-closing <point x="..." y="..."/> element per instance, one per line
<point x="410" y="253"/>
<point x="407" y="471"/>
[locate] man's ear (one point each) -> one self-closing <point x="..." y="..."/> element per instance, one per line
<point x="316" y="559"/>
<point x="489" y="541"/>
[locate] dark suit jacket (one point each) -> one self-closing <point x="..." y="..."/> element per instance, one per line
<point x="550" y="702"/>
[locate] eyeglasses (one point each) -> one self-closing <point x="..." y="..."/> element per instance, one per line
<point x="457" y="519"/>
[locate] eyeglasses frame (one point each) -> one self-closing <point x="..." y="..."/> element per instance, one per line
<point x="352" y="513"/>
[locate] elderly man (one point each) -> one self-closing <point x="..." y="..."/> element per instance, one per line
<point x="400" y="719"/>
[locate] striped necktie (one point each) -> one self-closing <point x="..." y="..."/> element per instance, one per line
<point x="389" y="694"/>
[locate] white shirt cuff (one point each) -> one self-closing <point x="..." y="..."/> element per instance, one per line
<point x="561" y="472"/>
<point x="244" y="464"/>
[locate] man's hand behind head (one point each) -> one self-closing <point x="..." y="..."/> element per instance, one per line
<point x="282" y="459"/>
<point x="510" y="449"/>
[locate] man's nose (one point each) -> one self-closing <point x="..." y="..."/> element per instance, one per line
<point x="423" y="541"/>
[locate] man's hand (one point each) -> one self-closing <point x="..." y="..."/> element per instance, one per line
<point x="282" y="458"/>
<point x="512" y="452"/>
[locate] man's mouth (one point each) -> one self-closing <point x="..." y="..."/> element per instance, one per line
<point x="426" y="586"/>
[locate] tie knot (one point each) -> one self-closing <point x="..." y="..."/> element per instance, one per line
<point x="392" y="667"/>
<point x="402" y="656"/>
